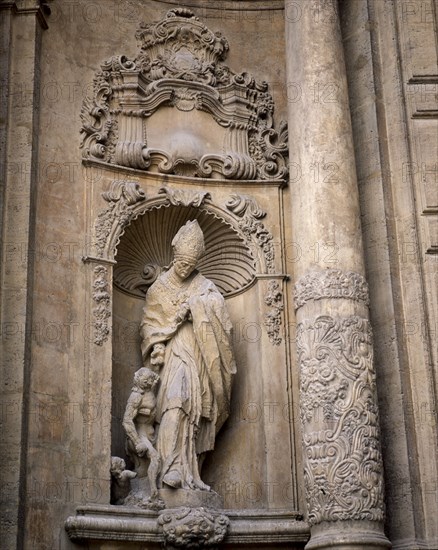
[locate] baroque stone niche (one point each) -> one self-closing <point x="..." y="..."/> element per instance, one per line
<point x="134" y="233"/>
<point x="224" y="125"/>
<point x="175" y="138"/>
<point x="145" y="249"/>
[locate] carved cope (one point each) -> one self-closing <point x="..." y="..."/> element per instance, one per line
<point x="130" y="118"/>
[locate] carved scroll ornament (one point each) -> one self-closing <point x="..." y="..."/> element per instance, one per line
<point x="179" y="65"/>
<point x="122" y="197"/>
<point x="343" y="465"/>
<point x="249" y="213"/>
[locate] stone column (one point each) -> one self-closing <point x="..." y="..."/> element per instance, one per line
<point x="342" y="462"/>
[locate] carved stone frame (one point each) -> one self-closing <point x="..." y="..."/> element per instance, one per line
<point x="179" y="65"/>
<point x="112" y="205"/>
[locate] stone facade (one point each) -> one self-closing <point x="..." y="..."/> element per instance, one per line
<point x="302" y="136"/>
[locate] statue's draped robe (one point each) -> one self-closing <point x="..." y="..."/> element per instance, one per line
<point x="194" y="394"/>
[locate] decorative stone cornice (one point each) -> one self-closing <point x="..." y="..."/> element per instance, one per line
<point x="39" y="8"/>
<point x="247" y="528"/>
<point x="330" y="283"/>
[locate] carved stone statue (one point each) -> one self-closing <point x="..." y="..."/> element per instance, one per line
<point x="120" y="480"/>
<point x="138" y="422"/>
<point x="186" y="337"/>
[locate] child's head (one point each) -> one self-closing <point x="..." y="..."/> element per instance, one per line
<point x="117" y="465"/>
<point x="145" y="378"/>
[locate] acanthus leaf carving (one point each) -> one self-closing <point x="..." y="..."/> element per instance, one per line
<point x="122" y="196"/>
<point x="184" y="197"/>
<point x="247" y="209"/>
<point x="342" y="460"/>
<point x="331" y="283"/>
<point x="179" y="64"/>
<point x="274" y="300"/>
<point x="186" y="100"/>
<point x="245" y="204"/>
<point x="232" y="166"/>
<point x="270" y="148"/>
<point x="194" y="528"/>
<point x="102" y="299"/>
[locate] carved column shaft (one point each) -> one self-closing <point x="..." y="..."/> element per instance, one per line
<point x="342" y="461"/>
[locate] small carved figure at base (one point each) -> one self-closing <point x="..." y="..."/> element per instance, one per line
<point x="138" y="422"/>
<point x="120" y="480"/>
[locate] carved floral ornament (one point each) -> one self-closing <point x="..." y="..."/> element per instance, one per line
<point x="343" y="468"/>
<point x="234" y="235"/>
<point x="102" y="309"/>
<point x="273" y="318"/>
<point x="331" y="283"/>
<point x="179" y="65"/>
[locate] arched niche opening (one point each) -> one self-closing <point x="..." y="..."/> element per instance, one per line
<point x="144" y="250"/>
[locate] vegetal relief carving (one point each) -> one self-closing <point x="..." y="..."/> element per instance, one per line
<point x="122" y="196"/>
<point x="193" y="528"/>
<point x="246" y="208"/>
<point x="343" y="463"/>
<point x="331" y="283"/>
<point x="274" y="299"/>
<point x="102" y="299"/>
<point x="179" y="64"/>
<point x="186" y="100"/>
<point x="184" y="197"/>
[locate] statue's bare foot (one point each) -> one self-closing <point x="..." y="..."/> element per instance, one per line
<point x="173" y="479"/>
<point x="201" y="485"/>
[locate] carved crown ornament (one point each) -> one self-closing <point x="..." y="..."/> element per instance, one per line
<point x="233" y="253"/>
<point x="177" y="109"/>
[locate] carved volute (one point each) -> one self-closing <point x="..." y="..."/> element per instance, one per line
<point x="223" y="127"/>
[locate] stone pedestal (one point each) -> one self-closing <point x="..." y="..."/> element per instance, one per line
<point x="193" y="499"/>
<point x="343" y="470"/>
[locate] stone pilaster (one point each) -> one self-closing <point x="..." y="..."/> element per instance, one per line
<point x="21" y="24"/>
<point x="343" y="469"/>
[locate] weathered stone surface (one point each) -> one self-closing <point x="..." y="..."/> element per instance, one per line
<point x="188" y="134"/>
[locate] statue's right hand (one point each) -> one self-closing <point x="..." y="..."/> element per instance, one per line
<point x="157" y="355"/>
